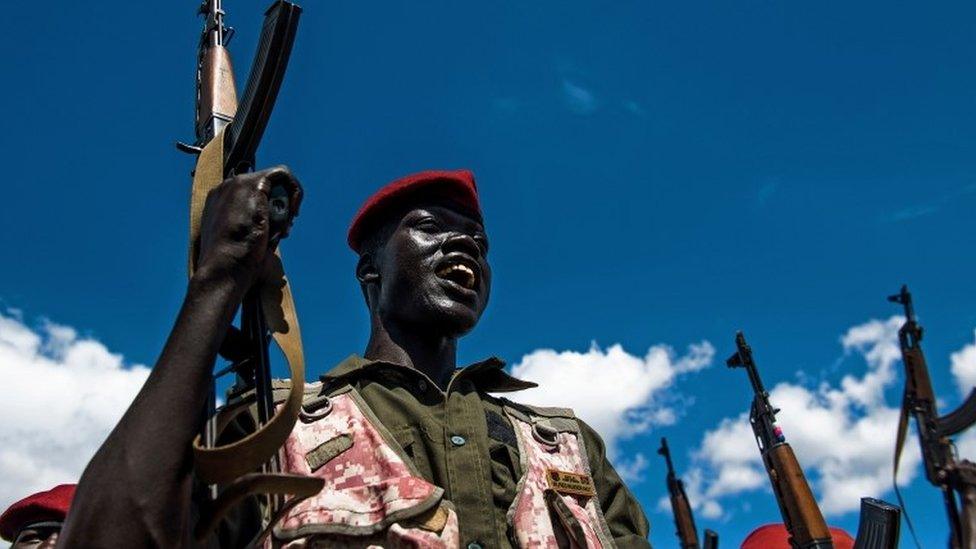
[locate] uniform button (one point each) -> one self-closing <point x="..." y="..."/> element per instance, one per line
<point x="474" y="545"/>
<point x="458" y="440"/>
<point x="422" y="384"/>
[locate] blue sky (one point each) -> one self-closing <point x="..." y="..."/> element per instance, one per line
<point x="652" y="173"/>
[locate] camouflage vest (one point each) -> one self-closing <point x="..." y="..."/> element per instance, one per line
<point x="375" y="497"/>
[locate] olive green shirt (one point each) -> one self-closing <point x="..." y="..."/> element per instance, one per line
<point x="461" y="440"/>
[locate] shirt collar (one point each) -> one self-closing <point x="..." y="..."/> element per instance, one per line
<point x="488" y="375"/>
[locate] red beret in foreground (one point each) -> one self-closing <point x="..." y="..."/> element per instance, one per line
<point x="456" y="185"/>
<point x="775" y="536"/>
<point x="42" y="506"/>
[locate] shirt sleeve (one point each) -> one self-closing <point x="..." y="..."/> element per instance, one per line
<point x="625" y="517"/>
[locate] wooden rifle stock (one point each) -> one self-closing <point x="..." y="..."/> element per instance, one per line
<point x="799" y="508"/>
<point x="683" y="521"/>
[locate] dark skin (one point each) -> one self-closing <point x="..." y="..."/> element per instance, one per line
<point x="39" y="536"/>
<point x="141" y="475"/>
<point x="417" y="315"/>
<point x="426" y="284"/>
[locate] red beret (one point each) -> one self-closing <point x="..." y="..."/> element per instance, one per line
<point x="42" y="506"/>
<point x="775" y="536"/>
<point x="455" y="185"/>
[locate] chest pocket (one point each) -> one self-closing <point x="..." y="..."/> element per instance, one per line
<point x="412" y="440"/>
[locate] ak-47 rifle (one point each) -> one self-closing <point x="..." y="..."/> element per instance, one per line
<point x="684" y="521"/>
<point x="942" y="468"/>
<point x="801" y="515"/>
<point x="227" y="138"/>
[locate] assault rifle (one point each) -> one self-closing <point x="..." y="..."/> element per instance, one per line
<point x="942" y="469"/>
<point x="227" y="138"/>
<point x="801" y="515"/>
<point x="684" y="521"/>
<point x="241" y="127"/>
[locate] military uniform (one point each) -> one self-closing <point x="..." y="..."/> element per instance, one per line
<point x="463" y="441"/>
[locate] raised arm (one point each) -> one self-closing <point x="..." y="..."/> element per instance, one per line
<point x="136" y="490"/>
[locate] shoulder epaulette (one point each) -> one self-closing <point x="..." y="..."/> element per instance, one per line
<point x="541" y="411"/>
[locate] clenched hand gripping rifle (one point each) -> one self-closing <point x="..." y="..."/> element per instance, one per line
<point x="942" y="468"/>
<point x="227" y="137"/>
<point x="684" y="521"/>
<point x="801" y="515"/>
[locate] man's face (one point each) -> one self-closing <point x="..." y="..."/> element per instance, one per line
<point x="434" y="270"/>
<point x="42" y="535"/>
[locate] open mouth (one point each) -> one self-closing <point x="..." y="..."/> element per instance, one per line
<point x="458" y="270"/>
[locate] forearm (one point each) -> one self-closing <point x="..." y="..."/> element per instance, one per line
<point x="139" y="480"/>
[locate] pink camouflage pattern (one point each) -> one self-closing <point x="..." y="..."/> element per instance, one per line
<point x="397" y="537"/>
<point x="368" y="489"/>
<point x="530" y="513"/>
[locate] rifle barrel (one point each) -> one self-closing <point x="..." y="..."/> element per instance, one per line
<point x="664" y="451"/>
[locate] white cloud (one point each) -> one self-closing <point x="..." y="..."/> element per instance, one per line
<point x="617" y="393"/>
<point x="964" y="368"/>
<point x="843" y="435"/>
<point x="60" y="396"/>
<point x="579" y="99"/>
<point x="632" y="470"/>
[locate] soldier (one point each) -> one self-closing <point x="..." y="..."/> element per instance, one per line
<point x="413" y="450"/>
<point x="36" y="520"/>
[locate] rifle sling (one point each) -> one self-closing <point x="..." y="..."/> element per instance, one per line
<point x="899" y="445"/>
<point x="236" y="463"/>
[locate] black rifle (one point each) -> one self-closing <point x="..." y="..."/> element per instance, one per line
<point x="801" y="515"/>
<point x="942" y="469"/>
<point x="684" y="521"/>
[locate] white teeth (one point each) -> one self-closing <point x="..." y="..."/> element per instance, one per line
<point x="469" y="277"/>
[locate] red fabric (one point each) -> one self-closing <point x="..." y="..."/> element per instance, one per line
<point x="457" y="185"/>
<point x="775" y="536"/>
<point x="51" y="505"/>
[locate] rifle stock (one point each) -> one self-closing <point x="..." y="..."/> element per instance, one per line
<point x="806" y="524"/>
